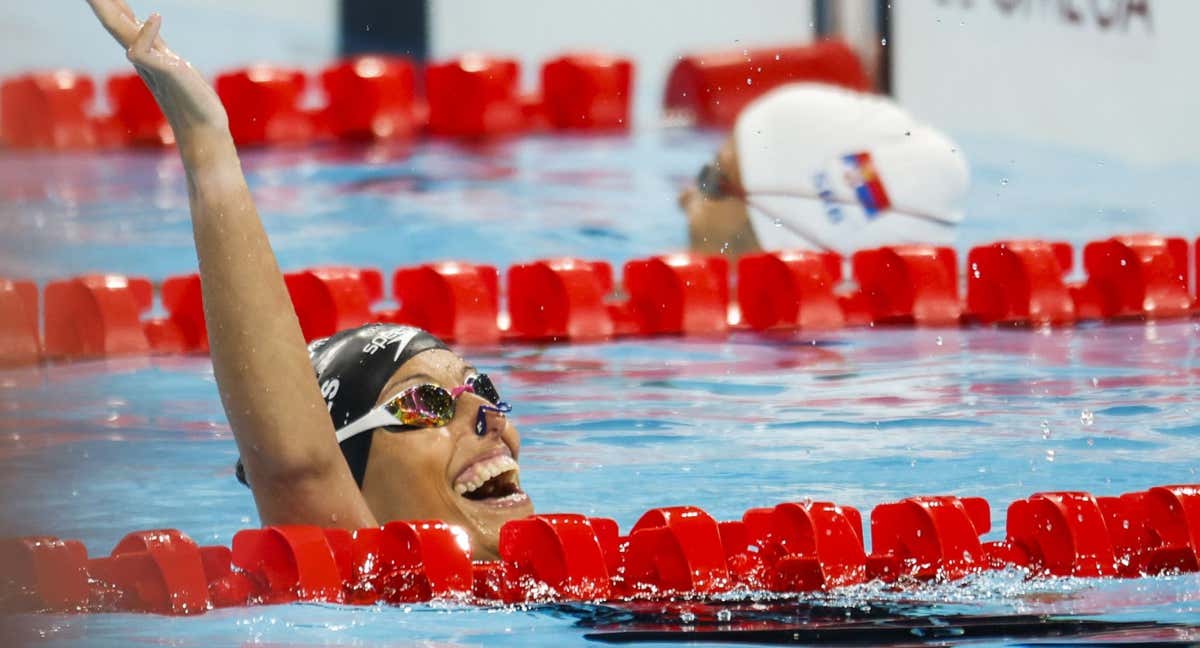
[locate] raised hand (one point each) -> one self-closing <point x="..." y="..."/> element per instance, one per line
<point x="187" y="100"/>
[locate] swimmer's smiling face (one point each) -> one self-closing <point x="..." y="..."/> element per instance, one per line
<point x="447" y="473"/>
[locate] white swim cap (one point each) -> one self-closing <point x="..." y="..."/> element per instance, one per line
<point x="824" y="167"/>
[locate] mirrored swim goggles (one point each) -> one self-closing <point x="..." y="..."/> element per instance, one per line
<point x="428" y="405"/>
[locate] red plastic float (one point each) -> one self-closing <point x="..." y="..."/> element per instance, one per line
<point x="155" y="571"/>
<point x="328" y="300"/>
<point x="43" y="573"/>
<point x="804" y="547"/>
<point x="263" y="103"/>
<point x="790" y="290"/>
<point x="679" y="294"/>
<point x="371" y="97"/>
<point x="1063" y="534"/>
<point x="289" y="563"/>
<point x="1020" y="282"/>
<point x="96" y="316"/>
<point x="454" y="301"/>
<point x="674" y="549"/>
<point x="560" y="299"/>
<point x="136" y="111"/>
<point x="587" y="92"/>
<point x="183" y="329"/>
<point x="47" y="110"/>
<point x="474" y="96"/>
<point x="555" y="557"/>
<point x="710" y="89"/>
<point x="19" y="340"/>
<point x="909" y="284"/>
<point x="1141" y="276"/>
<point x="929" y="537"/>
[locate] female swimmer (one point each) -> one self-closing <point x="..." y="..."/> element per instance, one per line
<point x="422" y="434"/>
<point x="816" y="167"/>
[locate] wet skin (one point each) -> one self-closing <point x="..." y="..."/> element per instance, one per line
<point x="413" y="474"/>
<point x="721" y="225"/>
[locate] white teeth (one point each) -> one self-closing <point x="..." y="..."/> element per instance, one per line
<point x="481" y="473"/>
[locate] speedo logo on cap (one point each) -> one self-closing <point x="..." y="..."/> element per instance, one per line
<point x="398" y="336"/>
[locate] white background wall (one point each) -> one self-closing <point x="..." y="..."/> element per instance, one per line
<point x="652" y="32"/>
<point x="1052" y="71"/>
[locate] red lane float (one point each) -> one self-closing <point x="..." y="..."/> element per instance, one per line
<point x="679" y="294"/>
<point x="587" y="92"/>
<point x="1020" y="282"/>
<point x="674" y="550"/>
<point x="263" y="104"/>
<point x="553" y="557"/>
<point x="155" y="571"/>
<point x="710" y="89"/>
<point x="454" y="301"/>
<point x="1141" y="275"/>
<point x="43" y="573"/>
<point x="802" y="547"/>
<point x="1063" y="534"/>
<point x="96" y="316"/>
<point x="560" y="299"/>
<point x="19" y="340"/>
<point x="328" y="300"/>
<point x="929" y="537"/>
<point x="136" y="111"/>
<point x="474" y="96"/>
<point x="371" y="97"/>
<point x="47" y="110"/>
<point x="289" y="563"/>
<point x="184" y="326"/>
<point x="792" y="547"/>
<point x="915" y="284"/>
<point x="790" y="290"/>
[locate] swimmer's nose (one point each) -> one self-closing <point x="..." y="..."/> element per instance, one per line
<point x="489" y="420"/>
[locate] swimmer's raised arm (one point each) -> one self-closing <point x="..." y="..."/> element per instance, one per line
<point x="267" y="385"/>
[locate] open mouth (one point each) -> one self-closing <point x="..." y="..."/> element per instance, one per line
<point x="493" y="480"/>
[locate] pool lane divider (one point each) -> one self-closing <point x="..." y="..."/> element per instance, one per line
<point x="379" y="98"/>
<point x="1008" y="283"/>
<point x="794" y="547"/>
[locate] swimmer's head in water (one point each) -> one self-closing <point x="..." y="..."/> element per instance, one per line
<point x="452" y="461"/>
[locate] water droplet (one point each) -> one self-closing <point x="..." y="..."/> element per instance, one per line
<point x="778" y="222"/>
<point x="1046" y="429"/>
<point x="883" y="42"/>
<point x="749" y="81"/>
<point x="1050" y="456"/>
<point x="938" y="340"/>
<point x="1004" y="181"/>
<point x="1086" y="417"/>
<point x="776" y="57"/>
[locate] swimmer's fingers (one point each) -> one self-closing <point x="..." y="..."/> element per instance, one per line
<point x="117" y="18"/>
<point x="120" y="21"/>
<point x="139" y="52"/>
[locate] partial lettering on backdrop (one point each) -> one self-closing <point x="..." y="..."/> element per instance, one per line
<point x="1103" y="15"/>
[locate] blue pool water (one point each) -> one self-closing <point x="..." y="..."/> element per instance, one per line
<point x="861" y="416"/>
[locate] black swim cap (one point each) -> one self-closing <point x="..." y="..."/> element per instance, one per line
<point x="353" y="367"/>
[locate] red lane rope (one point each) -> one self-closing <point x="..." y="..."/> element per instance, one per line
<point x="377" y="98"/>
<point x="1014" y="283"/>
<point x="669" y="552"/>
